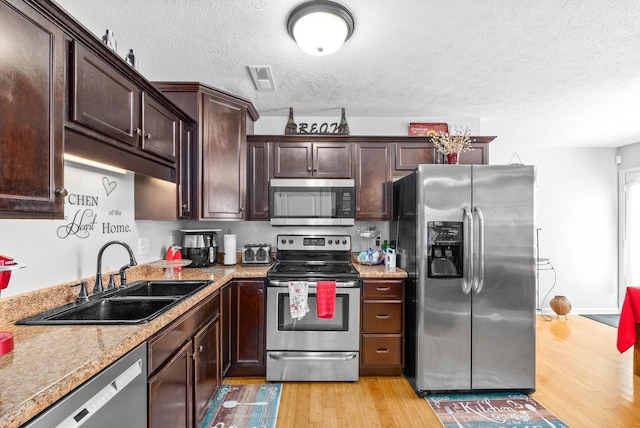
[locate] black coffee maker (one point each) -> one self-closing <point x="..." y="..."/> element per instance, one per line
<point x="200" y="246"/>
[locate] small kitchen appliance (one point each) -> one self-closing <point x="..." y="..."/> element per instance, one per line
<point x="312" y="347"/>
<point x="256" y="254"/>
<point x="200" y="246"/>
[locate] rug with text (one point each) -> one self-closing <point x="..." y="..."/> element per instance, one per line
<point x="491" y="410"/>
<point x="243" y="406"/>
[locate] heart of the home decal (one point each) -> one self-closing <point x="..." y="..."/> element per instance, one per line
<point x="109" y="186"/>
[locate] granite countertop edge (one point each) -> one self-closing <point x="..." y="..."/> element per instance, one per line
<point x="48" y="362"/>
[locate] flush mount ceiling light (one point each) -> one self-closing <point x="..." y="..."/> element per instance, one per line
<point x="320" y="27"/>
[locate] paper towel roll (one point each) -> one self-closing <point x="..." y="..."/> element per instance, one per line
<point x="230" y="249"/>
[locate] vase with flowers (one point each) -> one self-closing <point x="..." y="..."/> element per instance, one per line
<point x="452" y="144"/>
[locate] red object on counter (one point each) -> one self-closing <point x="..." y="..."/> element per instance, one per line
<point x="5" y="276"/>
<point x="629" y="316"/>
<point x="325" y="298"/>
<point x="6" y="342"/>
<point x="174" y="253"/>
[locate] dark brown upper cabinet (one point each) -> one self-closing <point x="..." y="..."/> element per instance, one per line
<point x="220" y="160"/>
<point x="31" y="112"/>
<point x="302" y="159"/>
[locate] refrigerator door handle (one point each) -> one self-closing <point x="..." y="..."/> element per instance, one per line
<point x="478" y="285"/>
<point x="467" y="280"/>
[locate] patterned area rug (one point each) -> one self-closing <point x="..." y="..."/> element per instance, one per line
<point x="491" y="410"/>
<point x="243" y="406"/>
<point x="609" y="319"/>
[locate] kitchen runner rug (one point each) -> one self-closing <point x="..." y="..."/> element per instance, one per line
<point x="609" y="319"/>
<point x="243" y="406"/>
<point x="491" y="410"/>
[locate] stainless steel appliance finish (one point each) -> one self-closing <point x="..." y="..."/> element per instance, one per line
<point x="470" y="320"/>
<point x="115" y="397"/>
<point x="312" y="202"/>
<point x="313" y="348"/>
<point x="200" y="246"/>
<point x="256" y="254"/>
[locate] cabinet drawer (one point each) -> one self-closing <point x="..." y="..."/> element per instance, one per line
<point x="167" y="341"/>
<point x="383" y="288"/>
<point x="381" y="316"/>
<point x="381" y="350"/>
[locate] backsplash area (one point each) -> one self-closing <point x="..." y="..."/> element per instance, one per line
<point x="99" y="208"/>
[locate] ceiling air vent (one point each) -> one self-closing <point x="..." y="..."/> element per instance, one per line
<point x="262" y="77"/>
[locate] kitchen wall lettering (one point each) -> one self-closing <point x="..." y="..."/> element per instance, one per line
<point x="96" y="205"/>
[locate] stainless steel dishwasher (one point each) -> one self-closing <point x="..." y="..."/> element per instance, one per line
<point x="115" y="397"/>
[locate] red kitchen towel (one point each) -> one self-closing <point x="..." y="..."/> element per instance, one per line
<point x="629" y="316"/>
<point x="325" y="298"/>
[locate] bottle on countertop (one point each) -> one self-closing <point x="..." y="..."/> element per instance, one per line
<point x="384" y="245"/>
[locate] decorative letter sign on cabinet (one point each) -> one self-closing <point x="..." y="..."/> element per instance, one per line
<point x="31" y="110"/>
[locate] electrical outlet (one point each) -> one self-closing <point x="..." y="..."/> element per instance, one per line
<point x="143" y="246"/>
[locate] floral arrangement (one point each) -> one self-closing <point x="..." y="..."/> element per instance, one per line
<point x="457" y="141"/>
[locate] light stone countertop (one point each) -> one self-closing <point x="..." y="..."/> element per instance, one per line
<point x="48" y="362"/>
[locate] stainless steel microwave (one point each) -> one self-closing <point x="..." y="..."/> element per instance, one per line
<point x="312" y="202"/>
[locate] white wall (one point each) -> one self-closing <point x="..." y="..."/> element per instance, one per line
<point x="98" y="209"/>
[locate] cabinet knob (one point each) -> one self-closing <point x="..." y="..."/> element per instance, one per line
<point x="200" y="348"/>
<point x="309" y="169"/>
<point x="138" y="131"/>
<point x="61" y="192"/>
<point x="147" y="136"/>
<point x="383" y="316"/>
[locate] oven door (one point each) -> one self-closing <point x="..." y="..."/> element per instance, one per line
<point x="311" y="333"/>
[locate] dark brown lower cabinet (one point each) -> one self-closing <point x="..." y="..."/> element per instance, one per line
<point x="248" y="320"/>
<point x="382" y="324"/>
<point x="170" y="392"/>
<point x="184" y="366"/>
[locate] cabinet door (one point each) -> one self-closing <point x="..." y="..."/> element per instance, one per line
<point x="31" y="113"/>
<point x="102" y="98"/>
<point x="170" y="392"/>
<point x="259" y="174"/>
<point x="373" y="181"/>
<point x="332" y="160"/>
<point x="225" y="328"/>
<point x="159" y="129"/>
<point x="185" y="173"/>
<point x="248" y="328"/>
<point x="409" y="155"/>
<point x="223" y="160"/>
<point x="478" y="156"/>
<point x="292" y="160"/>
<point x="206" y="355"/>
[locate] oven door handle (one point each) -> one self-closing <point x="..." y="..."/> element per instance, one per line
<point x="339" y="284"/>
<point x="326" y="356"/>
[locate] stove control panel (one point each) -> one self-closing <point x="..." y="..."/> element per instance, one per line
<point x="314" y="242"/>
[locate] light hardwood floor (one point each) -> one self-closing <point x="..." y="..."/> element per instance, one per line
<point x="581" y="377"/>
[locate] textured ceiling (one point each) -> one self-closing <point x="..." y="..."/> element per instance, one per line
<point x="546" y="72"/>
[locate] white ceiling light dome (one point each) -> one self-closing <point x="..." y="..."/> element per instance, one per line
<point x="320" y="27"/>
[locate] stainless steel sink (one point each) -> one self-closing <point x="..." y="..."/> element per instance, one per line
<point x="139" y="302"/>
<point x="161" y="288"/>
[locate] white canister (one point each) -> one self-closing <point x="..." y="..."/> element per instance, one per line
<point x="390" y="260"/>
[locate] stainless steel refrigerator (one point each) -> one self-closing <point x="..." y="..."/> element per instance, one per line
<point x="465" y="235"/>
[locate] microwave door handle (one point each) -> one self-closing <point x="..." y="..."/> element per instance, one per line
<point x="467" y="280"/>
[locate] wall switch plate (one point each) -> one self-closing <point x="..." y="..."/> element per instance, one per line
<point x="143" y="246"/>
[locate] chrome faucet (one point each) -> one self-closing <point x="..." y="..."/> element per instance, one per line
<point x="97" y="288"/>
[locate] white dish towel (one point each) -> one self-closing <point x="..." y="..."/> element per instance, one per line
<point x="298" y="299"/>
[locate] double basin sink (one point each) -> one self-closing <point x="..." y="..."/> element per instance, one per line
<point x="136" y="303"/>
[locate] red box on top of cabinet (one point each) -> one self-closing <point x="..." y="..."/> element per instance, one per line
<point x="420" y="128"/>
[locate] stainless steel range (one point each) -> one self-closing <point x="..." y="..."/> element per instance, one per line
<point x="313" y="348"/>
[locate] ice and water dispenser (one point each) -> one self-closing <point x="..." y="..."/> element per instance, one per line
<point x="445" y="249"/>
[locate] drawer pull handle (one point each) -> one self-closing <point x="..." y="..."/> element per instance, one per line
<point x="383" y="288"/>
<point x="383" y="316"/>
<point x="382" y="351"/>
